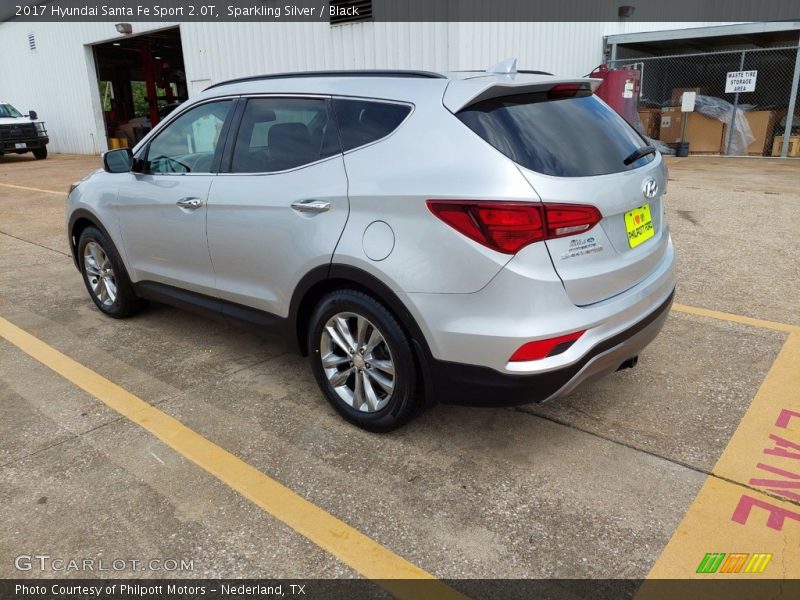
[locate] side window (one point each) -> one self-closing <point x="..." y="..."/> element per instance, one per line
<point x="283" y="133"/>
<point x="187" y="145"/>
<point x="362" y="122"/>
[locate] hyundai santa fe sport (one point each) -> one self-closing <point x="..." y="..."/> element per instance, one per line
<point x="472" y="238"/>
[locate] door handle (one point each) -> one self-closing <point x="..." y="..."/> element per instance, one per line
<point x="311" y="205"/>
<point x="190" y="203"/>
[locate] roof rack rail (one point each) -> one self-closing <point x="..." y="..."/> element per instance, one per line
<point x="361" y="73"/>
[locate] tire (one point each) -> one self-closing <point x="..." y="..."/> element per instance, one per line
<point x="111" y="291"/>
<point x="377" y="407"/>
<point x="40" y="153"/>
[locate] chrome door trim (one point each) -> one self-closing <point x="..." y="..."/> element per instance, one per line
<point x="190" y="203"/>
<point x="311" y="205"/>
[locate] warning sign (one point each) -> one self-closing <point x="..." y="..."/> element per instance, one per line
<point x="741" y="81"/>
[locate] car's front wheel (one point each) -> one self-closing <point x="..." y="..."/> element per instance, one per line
<point x="40" y="153"/>
<point x="104" y="275"/>
<point x="362" y="360"/>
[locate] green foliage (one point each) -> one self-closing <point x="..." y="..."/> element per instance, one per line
<point x="105" y="94"/>
<point x="141" y="107"/>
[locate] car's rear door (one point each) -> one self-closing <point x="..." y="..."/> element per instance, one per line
<point x="162" y="210"/>
<point x="279" y="207"/>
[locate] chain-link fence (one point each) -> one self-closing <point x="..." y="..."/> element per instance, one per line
<point x="754" y="121"/>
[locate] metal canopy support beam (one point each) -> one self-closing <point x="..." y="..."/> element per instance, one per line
<point x="703" y="32"/>
<point x="787" y="131"/>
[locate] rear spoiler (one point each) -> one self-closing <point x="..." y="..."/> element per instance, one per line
<point x="461" y="93"/>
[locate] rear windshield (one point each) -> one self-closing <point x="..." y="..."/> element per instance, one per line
<point x="570" y="137"/>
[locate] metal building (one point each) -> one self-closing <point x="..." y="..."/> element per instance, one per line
<point x="78" y="76"/>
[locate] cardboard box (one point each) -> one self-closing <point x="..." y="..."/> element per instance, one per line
<point x="794" y="145"/>
<point x="703" y="133"/>
<point x="651" y="121"/>
<point x="762" y="124"/>
<point x="678" y="92"/>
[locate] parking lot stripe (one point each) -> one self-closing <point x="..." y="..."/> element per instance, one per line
<point x="347" y="544"/>
<point x="733" y="318"/>
<point x="749" y="503"/>
<point x="32" y="189"/>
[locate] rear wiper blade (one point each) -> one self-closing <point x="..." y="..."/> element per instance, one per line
<point x="639" y="153"/>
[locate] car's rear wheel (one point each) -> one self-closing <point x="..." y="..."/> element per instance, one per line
<point x="40" y="153"/>
<point x="362" y="360"/>
<point x="104" y="275"/>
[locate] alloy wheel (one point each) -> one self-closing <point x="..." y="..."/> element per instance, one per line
<point x="357" y="362"/>
<point x="99" y="274"/>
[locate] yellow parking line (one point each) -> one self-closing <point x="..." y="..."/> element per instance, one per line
<point x="751" y="503"/>
<point x="33" y="189"/>
<point x="353" y="548"/>
<point x="723" y="316"/>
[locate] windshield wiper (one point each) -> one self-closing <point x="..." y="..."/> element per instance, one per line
<point x="639" y="153"/>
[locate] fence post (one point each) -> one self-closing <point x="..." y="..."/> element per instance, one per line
<point x="787" y="131"/>
<point x="733" y="114"/>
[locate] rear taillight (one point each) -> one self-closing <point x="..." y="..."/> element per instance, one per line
<point x="510" y="226"/>
<point x="502" y="226"/>
<point x="544" y="348"/>
<point x="569" y="219"/>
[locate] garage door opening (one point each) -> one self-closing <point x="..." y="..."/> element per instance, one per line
<point x="141" y="80"/>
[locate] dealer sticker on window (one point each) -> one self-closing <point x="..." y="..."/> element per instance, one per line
<point x="639" y="225"/>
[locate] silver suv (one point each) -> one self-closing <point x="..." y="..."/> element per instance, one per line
<point x="476" y="238"/>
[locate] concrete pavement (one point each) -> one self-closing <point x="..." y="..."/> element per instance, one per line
<point x="593" y="485"/>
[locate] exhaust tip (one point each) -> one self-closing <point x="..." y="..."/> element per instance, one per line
<point x="629" y="364"/>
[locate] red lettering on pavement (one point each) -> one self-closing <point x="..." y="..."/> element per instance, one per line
<point x="777" y="515"/>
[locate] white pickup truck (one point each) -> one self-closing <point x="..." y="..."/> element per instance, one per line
<point x="21" y="133"/>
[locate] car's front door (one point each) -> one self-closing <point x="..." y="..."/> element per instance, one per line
<point x="281" y="206"/>
<point x="162" y="210"/>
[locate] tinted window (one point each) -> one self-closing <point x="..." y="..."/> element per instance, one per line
<point x="283" y="133"/>
<point x="572" y="137"/>
<point x="187" y="145"/>
<point x="362" y="122"/>
<point x="6" y="110"/>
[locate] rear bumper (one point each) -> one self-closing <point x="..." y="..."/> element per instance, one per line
<point x="472" y="385"/>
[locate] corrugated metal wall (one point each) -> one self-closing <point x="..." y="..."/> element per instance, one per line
<point x="58" y="79"/>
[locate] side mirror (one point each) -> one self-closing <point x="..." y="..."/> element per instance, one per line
<point x="32" y="114"/>
<point x="118" y="161"/>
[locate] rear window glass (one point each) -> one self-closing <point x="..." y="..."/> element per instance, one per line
<point x="570" y="137"/>
<point x="277" y="134"/>
<point x="362" y="122"/>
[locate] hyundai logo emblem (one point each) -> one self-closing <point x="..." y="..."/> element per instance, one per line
<point x="649" y="188"/>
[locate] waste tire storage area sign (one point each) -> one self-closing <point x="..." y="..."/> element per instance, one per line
<point x="740" y="81"/>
